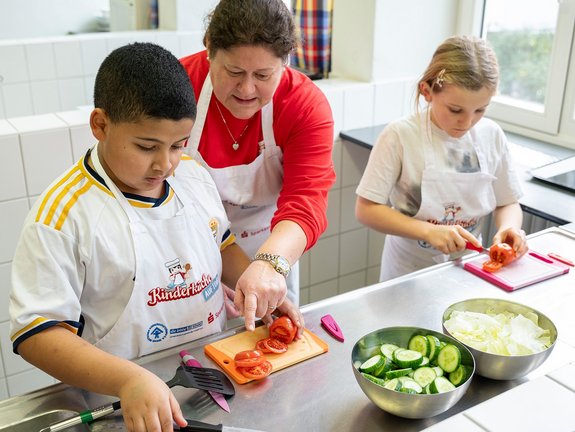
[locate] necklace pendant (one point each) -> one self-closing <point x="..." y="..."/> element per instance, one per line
<point x="235" y="146"/>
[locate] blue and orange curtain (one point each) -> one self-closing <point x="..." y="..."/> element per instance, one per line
<point x="313" y="19"/>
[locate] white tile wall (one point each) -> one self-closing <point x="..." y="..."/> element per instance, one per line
<point x="13" y="213"/>
<point x="13" y="67"/>
<point x="27" y="381"/>
<point x="45" y="96"/>
<point x="5" y="269"/>
<point x="41" y="63"/>
<point x="12" y="173"/>
<point x="13" y="363"/>
<point x="17" y="98"/>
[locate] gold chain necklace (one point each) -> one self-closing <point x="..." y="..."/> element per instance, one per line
<point x="235" y="142"/>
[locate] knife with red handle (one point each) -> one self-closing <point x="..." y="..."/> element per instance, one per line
<point x="190" y="360"/>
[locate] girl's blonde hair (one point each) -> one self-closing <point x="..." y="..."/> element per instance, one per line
<point x="468" y="62"/>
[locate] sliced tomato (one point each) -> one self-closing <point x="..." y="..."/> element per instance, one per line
<point x="283" y="329"/>
<point x="502" y="253"/>
<point x="275" y="346"/>
<point x="249" y="358"/>
<point x="261" y="346"/>
<point x="257" y="372"/>
<point x="492" y="266"/>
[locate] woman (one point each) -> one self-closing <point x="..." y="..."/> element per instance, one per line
<point x="265" y="134"/>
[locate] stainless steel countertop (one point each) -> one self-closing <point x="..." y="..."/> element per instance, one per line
<point x="321" y="394"/>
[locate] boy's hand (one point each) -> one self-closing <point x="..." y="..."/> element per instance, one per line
<point x="449" y="238"/>
<point x="149" y="405"/>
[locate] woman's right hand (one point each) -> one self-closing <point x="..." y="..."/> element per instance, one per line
<point x="449" y="238"/>
<point x="148" y="404"/>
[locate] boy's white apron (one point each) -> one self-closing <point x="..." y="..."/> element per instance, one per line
<point x="157" y="316"/>
<point x="441" y="190"/>
<point x="249" y="192"/>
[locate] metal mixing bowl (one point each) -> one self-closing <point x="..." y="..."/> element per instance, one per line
<point x="414" y="406"/>
<point x="501" y="367"/>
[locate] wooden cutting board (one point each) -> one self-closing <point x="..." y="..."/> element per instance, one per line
<point x="224" y="350"/>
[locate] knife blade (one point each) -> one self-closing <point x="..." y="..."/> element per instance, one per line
<point x="190" y="360"/>
<point x="198" y="426"/>
<point x="471" y="246"/>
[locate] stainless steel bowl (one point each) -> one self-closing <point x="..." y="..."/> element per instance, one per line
<point x="501" y="367"/>
<point x="414" y="406"/>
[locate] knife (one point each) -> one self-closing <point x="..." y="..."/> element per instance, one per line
<point x="190" y="360"/>
<point x="198" y="426"/>
<point x="471" y="246"/>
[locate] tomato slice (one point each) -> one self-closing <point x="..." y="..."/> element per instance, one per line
<point x="492" y="266"/>
<point x="275" y="346"/>
<point x="260" y="346"/>
<point x="502" y="253"/>
<point x="257" y="372"/>
<point x="249" y="358"/>
<point x="283" y="329"/>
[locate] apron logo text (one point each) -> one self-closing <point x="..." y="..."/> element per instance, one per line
<point x="159" y="294"/>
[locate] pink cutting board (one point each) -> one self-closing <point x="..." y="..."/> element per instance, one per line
<point x="531" y="268"/>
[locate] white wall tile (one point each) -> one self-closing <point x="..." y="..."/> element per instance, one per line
<point x="336" y="155"/>
<point x="45" y="96"/>
<point x="372" y="276"/>
<point x="304" y="270"/>
<point x="324" y="261"/>
<point x="13" y="67"/>
<point x="119" y="39"/>
<point x="190" y="42"/>
<point x="335" y="98"/>
<point x="82" y="140"/>
<point x="389" y="101"/>
<point x="2" y="369"/>
<point x="348" y="221"/>
<point x="36" y="123"/>
<point x="323" y="290"/>
<point x="89" y="82"/>
<point x="68" y="57"/>
<point x="12" y="183"/>
<point x="41" y="62"/>
<point x="13" y="363"/>
<point x="354" y="161"/>
<point x="5" y="286"/>
<point x="3" y="389"/>
<point x="353" y="251"/>
<point x="2" y="110"/>
<point x="28" y="381"/>
<point x="72" y="93"/>
<point x="333" y="213"/>
<point x="352" y="281"/>
<point x="17" y="99"/>
<point x="358" y="106"/>
<point x="304" y="296"/>
<point x="13" y="213"/>
<point x="94" y="51"/>
<point x="170" y="41"/>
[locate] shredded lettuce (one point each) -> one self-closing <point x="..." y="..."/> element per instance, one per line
<point x="504" y="333"/>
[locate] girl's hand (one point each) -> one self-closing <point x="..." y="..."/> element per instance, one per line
<point x="149" y="405"/>
<point x="513" y="237"/>
<point x="449" y="238"/>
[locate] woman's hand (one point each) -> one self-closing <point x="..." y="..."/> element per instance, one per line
<point x="514" y="237"/>
<point x="449" y="238"/>
<point x="291" y="310"/>
<point x="259" y="291"/>
<point x="148" y="404"/>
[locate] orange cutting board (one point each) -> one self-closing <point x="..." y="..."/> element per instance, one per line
<point x="224" y="350"/>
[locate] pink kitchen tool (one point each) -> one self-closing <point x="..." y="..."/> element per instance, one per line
<point x="330" y="325"/>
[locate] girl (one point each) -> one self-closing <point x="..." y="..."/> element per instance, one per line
<point x="432" y="177"/>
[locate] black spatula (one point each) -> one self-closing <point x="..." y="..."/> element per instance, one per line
<point x="186" y="376"/>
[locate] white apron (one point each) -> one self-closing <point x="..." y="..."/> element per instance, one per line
<point x="447" y="198"/>
<point x="177" y="295"/>
<point x="249" y="192"/>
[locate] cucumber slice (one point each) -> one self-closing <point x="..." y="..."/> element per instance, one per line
<point x="441" y="385"/>
<point x="393" y="384"/>
<point x="388" y="349"/>
<point x="438" y="371"/>
<point x="396" y="373"/>
<point x="386" y="366"/>
<point x="459" y="375"/>
<point x="424" y="361"/>
<point x="409" y="385"/>
<point x="424" y="376"/>
<point x="434" y="347"/>
<point x="372" y="364"/>
<point x="419" y="343"/>
<point x="406" y="358"/>
<point x="373" y="379"/>
<point x="449" y="358"/>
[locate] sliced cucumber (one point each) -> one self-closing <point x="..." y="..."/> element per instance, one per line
<point x="393" y="384"/>
<point x="387" y="365"/>
<point x="424" y="375"/>
<point x="459" y="375"/>
<point x="388" y="349"/>
<point x="406" y="358"/>
<point x="396" y="373"/>
<point x="449" y="358"/>
<point x="438" y="371"/>
<point x="434" y="347"/>
<point x="373" y="379"/>
<point x="420" y="344"/>
<point x="424" y="361"/>
<point x="409" y="385"/>
<point x="441" y="385"/>
<point x="372" y="364"/>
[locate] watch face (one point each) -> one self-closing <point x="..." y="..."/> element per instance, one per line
<point x="283" y="265"/>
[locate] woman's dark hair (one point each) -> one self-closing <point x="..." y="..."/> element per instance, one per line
<point x="251" y="22"/>
<point x="142" y="80"/>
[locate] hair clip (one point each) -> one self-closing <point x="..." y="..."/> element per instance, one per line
<point x="439" y="80"/>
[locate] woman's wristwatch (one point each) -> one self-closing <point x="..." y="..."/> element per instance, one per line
<point x="278" y="262"/>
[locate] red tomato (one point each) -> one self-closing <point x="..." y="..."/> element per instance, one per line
<point x="283" y="329"/>
<point x="261" y="346"/>
<point x="502" y="253"/>
<point x="249" y="358"/>
<point x="492" y="266"/>
<point x="257" y="372"/>
<point x="275" y="346"/>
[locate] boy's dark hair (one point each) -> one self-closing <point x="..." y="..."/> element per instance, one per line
<point x="267" y="23"/>
<point x="142" y="80"/>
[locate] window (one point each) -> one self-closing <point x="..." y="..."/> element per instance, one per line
<point x="533" y="40"/>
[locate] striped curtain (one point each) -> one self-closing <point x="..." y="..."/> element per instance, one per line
<point x="313" y="19"/>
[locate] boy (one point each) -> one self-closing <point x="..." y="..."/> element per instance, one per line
<point x="127" y="248"/>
